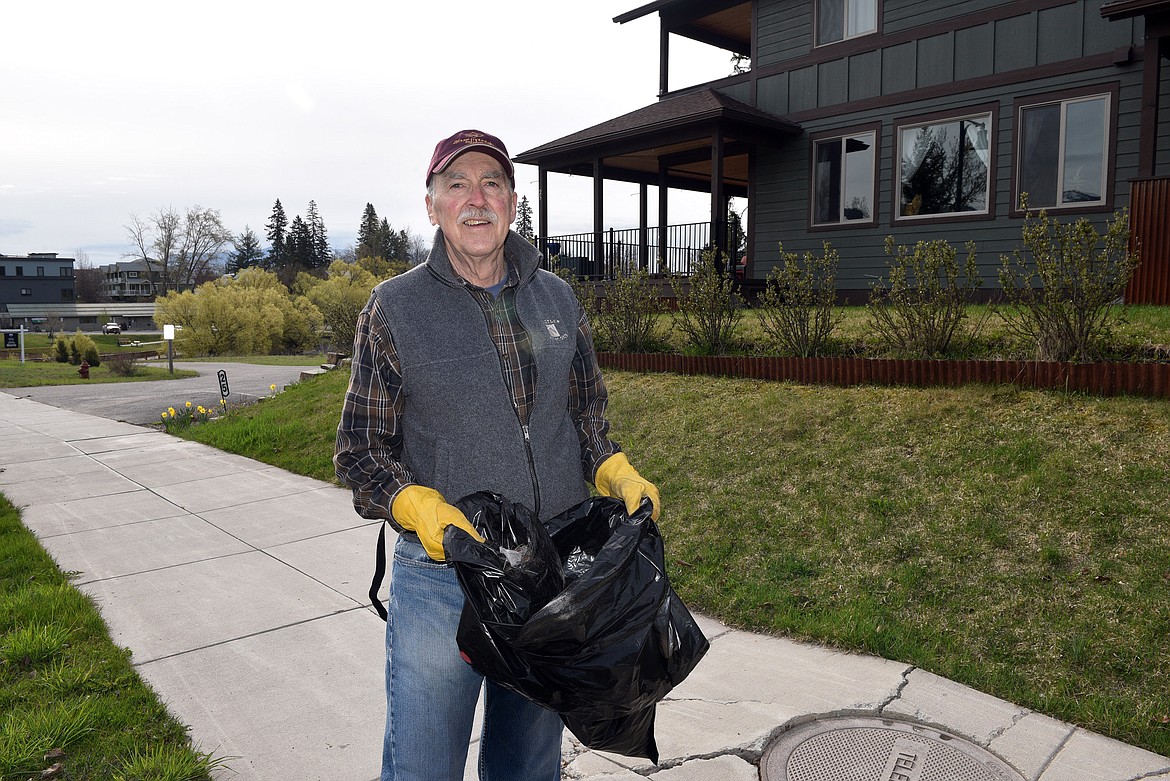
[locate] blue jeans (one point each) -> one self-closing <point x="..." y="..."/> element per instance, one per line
<point x="431" y="692"/>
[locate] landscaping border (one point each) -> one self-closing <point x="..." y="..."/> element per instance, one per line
<point x="1105" y="379"/>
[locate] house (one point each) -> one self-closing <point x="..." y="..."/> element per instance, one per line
<point x="859" y="119"/>
<point x="132" y="280"/>
<point x="39" y="278"/>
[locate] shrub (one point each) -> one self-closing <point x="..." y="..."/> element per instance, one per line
<point x="61" y="350"/>
<point x="81" y="347"/>
<point x="1062" y="301"/>
<point x="918" y="312"/>
<point x="626" y="319"/>
<point x="709" y="314"/>
<point x="122" y="365"/>
<point x="797" y="302"/>
<point x="583" y="289"/>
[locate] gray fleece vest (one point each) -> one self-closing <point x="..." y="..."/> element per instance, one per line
<point x="461" y="432"/>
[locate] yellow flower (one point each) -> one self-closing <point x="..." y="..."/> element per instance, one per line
<point x="171" y="410"/>
<point x="188" y="405"/>
<point x="272" y="387"/>
<point x="201" y="410"/>
<point x="164" y="414"/>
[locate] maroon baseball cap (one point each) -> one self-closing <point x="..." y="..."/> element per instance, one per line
<point x="467" y="141"/>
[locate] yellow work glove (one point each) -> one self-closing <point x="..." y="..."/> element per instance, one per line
<point x="618" y="480"/>
<point x="425" y="512"/>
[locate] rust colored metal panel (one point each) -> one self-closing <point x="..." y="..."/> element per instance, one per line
<point x="1149" y="234"/>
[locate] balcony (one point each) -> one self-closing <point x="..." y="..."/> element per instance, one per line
<point x="624" y="251"/>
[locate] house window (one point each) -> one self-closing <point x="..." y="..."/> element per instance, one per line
<point x="66" y="271"/>
<point x="26" y="291"/>
<point x="1062" y="152"/>
<point x="40" y="271"/>
<point x="132" y="274"/>
<point x="20" y="271"/>
<point x="944" y="167"/>
<point x="66" y="294"/>
<point x="3" y="271"/>
<point x="843" y="179"/>
<point x="838" y="20"/>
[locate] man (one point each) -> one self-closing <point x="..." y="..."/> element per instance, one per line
<point x="473" y="371"/>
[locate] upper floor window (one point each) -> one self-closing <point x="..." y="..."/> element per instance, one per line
<point x="40" y="271"/>
<point x="20" y="271"/>
<point x="26" y="291"/>
<point x="843" y="179"/>
<point x="66" y="271"/>
<point x="3" y="271"/>
<point x="944" y="167"/>
<point x="132" y="274"/>
<point x="1062" y="152"/>
<point x="841" y="19"/>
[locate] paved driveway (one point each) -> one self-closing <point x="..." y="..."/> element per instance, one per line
<point x="143" y="402"/>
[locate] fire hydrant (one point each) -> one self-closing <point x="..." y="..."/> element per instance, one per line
<point x="83" y="370"/>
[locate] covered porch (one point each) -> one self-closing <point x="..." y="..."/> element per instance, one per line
<point x="701" y="141"/>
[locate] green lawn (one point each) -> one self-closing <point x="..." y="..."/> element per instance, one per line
<point x="14" y="374"/>
<point x="65" y="685"/>
<point x="1014" y="541"/>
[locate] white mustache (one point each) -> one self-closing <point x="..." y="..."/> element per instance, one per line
<point x="474" y="213"/>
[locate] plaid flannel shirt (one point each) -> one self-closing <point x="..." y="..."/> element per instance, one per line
<point x="369" y="439"/>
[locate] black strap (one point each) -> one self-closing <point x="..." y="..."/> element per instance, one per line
<point x="379" y="572"/>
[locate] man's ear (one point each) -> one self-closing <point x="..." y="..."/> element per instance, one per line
<point x="431" y="211"/>
<point x="512" y="216"/>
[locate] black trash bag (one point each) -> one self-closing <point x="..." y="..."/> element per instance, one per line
<point x="602" y="650"/>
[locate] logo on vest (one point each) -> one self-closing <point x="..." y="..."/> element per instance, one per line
<point x="554" y="332"/>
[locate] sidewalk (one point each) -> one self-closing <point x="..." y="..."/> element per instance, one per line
<point x="241" y="591"/>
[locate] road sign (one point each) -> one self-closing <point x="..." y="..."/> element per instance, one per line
<point x="223" y="385"/>
<point x="11" y="340"/>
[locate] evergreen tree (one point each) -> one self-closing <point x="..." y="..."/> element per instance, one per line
<point x="367" y="243"/>
<point x="320" y="255"/>
<point x="385" y="244"/>
<point x="298" y="245"/>
<point x="277" y="252"/>
<point x="248" y="252"/>
<point x="524" y="220"/>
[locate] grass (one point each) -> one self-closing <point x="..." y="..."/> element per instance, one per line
<point x="1014" y="541"/>
<point x="14" y="374"/>
<point x="65" y="685"/>
<point x="263" y="360"/>
<point x="1140" y="333"/>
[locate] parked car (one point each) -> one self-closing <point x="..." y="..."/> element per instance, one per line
<point x="111" y="328"/>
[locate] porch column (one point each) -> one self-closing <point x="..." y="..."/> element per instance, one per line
<point x="662" y="260"/>
<point x="718" y="200"/>
<point x="542" y="213"/>
<point x="598" y="217"/>
<point x="643" y="239"/>
<point x="1155" y="49"/>
<point x="663" y="60"/>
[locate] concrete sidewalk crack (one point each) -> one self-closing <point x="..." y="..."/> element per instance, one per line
<point x="898" y="692"/>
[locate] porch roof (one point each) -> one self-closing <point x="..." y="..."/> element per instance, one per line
<point x="726" y="24"/>
<point x="1121" y="9"/>
<point x="677" y="132"/>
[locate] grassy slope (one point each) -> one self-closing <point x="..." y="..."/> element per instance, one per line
<point x="1013" y="541"/>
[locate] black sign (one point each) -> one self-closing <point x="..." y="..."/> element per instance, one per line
<point x="11" y="340"/>
<point x="223" y="387"/>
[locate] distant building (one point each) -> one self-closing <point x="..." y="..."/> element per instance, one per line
<point x="132" y="280"/>
<point x="39" y="278"/>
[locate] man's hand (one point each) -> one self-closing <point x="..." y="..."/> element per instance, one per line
<point x="425" y="512"/>
<point x="618" y="480"/>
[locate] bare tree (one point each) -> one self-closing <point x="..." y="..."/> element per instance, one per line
<point x="185" y="246"/>
<point x="417" y="248"/>
<point x="202" y="238"/>
<point x="87" y="281"/>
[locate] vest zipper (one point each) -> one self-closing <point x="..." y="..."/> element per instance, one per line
<point x="515" y="407"/>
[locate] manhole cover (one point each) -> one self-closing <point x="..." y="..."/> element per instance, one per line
<point x="873" y="749"/>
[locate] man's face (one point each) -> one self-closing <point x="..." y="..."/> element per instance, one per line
<point x="473" y="205"/>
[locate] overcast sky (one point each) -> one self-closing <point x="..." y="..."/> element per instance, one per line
<point x="125" y="107"/>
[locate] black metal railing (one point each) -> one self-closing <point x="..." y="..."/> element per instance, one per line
<point x="622" y="251"/>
